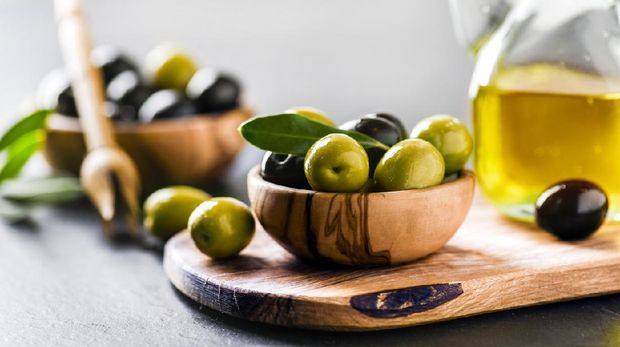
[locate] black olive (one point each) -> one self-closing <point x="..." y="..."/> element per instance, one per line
<point x="118" y="112"/>
<point x="213" y="91"/>
<point x="572" y="210"/>
<point x="166" y="103"/>
<point x="404" y="134"/>
<point x="111" y="62"/>
<point x="55" y="92"/>
<point x="381" y="130"/>
<point x="284" y="169"/>
<point x="128" y="91"/>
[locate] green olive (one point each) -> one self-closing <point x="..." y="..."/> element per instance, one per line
<point x="449" y="136"/>
<point x="167" y="210"/>
<point x="221" y="227"/>
<point x="169" y="67"/>
<point x="409" y="164"/>
<point x="312" y="114"/>
<point x="336" y="163"/>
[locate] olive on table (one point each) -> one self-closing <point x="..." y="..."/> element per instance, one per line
<point x="312" y="114"/>
<point x="284" y="169"/>
<point x="379" y="129"/>
<point x="168" y="67"/>
<point x="221" y="227"/>
<point x="55" y="93"/>
<point x="449" y="136"/>
<point x="111" y="62"/>
<point x="404" y="134"/>
<point x="167" y="210"/>
<point x="409" y="164"/>
<point x="572" y="209"/>
<point x="164" y="104"/>
<point x="336" y="163"/>
<point x="213" y="91"/>
<point x="127" y="89"/>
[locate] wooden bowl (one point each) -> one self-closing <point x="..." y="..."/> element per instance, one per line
<point x="189" y="150"/>
<point x="366" y="229"/>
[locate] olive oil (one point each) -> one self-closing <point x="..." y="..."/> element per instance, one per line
<point x="535" y="126"/>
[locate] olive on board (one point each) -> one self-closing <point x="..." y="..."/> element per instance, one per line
<point x="572" y="209"/>
<point x="221" y="227"/>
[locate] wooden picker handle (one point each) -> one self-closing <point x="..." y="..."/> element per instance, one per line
<point x="85" y="78"/>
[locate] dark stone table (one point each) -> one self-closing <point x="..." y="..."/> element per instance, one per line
<point x="63" y="284"/>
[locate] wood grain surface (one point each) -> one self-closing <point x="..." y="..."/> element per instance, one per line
<point x="367" y="229"/>
<point x="491" y="264"/>
<point x="190" y="150"/>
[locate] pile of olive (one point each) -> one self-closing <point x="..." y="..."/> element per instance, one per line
<point x="438" y="146"/>
<point x="172" y="87"/>
<point x="220" y="227"/>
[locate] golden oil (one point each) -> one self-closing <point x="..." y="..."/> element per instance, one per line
<point x="537" y="125"/>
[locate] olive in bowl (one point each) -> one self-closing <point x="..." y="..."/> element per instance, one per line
<point x="394" y="120"/>
<point x="449" y="136"/>
<point x="336" y="163"/>
<point x="55" y="92"/>
<point x="111" y="62"/>
<point x="361" y="229"/>
<point x="410" y="164"/>
<point x="213" y="91"/>
<point x="381" y="130"/>
<point x="165" y="104"/>
<point x="284" y="169"/>
<point x="128" y="89"/>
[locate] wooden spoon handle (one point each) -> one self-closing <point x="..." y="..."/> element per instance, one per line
<point x="85" y="78"/>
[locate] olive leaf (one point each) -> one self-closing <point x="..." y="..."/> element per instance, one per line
<point x="12" y="212"/>
<point x="21" y="141"/>
<point x="19" y="152"/>
<point x="30" y="123"/>
<point x="17" y="145"/>
<point x="43" y="190"/>
<point x="293" y="134"/>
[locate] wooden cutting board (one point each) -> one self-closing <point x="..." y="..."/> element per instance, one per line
<point x="491" y="264"/>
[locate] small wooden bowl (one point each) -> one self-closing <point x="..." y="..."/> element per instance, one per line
<point x="190" y="150"/>
<point x="369" y="229"/>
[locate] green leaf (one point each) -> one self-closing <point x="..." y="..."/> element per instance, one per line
<point x="294" y="134"/>
<point x="43" y="190"/>
<point x="19" y="152"/>
<point x="12" y="212"/>
<point x="30" y="123"/>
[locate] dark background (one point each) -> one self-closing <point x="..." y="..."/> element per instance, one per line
<point x="62" y="284"/>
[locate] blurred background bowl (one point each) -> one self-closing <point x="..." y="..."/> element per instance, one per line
<point x="189" y="150"/>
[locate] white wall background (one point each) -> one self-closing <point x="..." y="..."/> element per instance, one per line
<point x="347" y="57"/>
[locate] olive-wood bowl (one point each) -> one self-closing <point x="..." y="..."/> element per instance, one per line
<point x="361" y="229"/>
<point x="189" y="150"/>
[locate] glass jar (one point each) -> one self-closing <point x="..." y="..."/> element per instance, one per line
<point x="545" y="97"/>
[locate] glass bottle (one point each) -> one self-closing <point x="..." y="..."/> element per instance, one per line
<point x="545" y="96"/>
